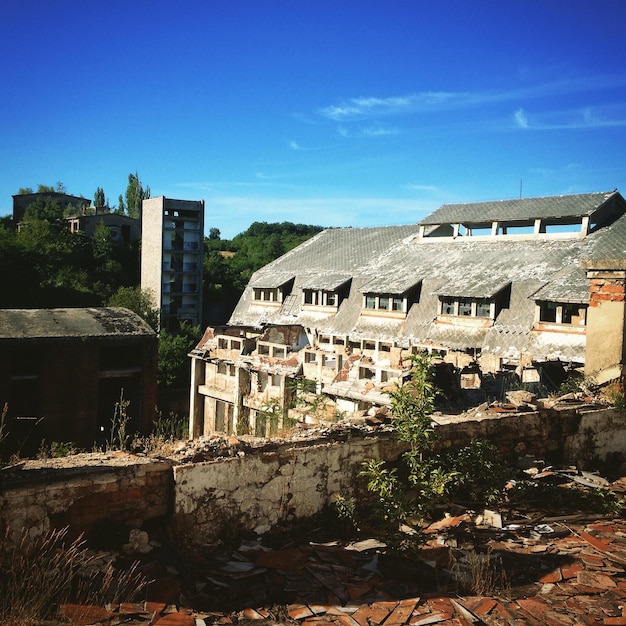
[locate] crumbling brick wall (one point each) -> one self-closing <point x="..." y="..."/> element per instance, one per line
<point x="274" y="482"/>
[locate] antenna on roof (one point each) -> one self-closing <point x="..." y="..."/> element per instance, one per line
<point x="520" y="188"/>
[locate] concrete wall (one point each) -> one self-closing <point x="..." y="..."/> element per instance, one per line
<point x="257" y="492"/>
<point x="262" y="486"/>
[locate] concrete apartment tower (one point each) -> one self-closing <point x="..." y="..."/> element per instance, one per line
<point x="172" y="246"/>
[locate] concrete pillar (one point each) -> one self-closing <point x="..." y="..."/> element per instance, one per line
<point x="606" y="319"/>
<point x="196" y="403"/>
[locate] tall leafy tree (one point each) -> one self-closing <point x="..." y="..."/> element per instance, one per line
<point x="102" y="243"/>
<point x="173" y="364"/>
<point x="135" y="195"/>
<point x="98" y="199"/>
<point x="121" y="207"/>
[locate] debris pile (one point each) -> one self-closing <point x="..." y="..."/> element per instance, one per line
<point x="490" y="567"/>
<point x="557" y="572"/>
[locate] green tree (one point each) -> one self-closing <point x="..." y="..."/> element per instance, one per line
<point x="24" y="191"/>
<point x="135" y="195"/>
<point x="139" y="301"/>
<point x="102" y="242"/>
<point x="173" y="365"/>
<point x="214" y="234"/>
<point x="98" y="199"/>
<point x="45" y="189"/>
<point x="45" y="209"/>
<point x="121" y="207"/>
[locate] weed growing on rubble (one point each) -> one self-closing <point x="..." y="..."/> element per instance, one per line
<point x="39" y="574"/>
<point x="171" y="427"/>
<point x="615" y="395"/>
<point x="479" y="574"/>
<point x="56" y="449"/>
<point x="408" y="490"/>
<point x="119" y="436"/>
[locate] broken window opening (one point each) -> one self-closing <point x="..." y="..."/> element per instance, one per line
<point x="547" y="311"/>
<point x="483" y="308"/>
<point x="570" y="313"/>
<point x="448" y="306"/>
<point x="312" y="297"/>
<point x="465" y="307"/>
<point x="365" y="373"/>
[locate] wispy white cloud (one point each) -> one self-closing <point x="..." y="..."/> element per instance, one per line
<point x="430" y="101"/>
<point x="377" y="130"/>
<point x="296" y="147"/>
<point x="373" y="130"/>
<point x="361" y="108"/>
<point x="520" y="118"/>
<point x="428" y="188"/>
<point x="573" y="119"/>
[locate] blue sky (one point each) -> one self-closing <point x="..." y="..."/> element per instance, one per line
<point x="344" y="113"/>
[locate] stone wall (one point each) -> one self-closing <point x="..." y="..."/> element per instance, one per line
<point x="257" y="487"/>
<point x="83" y="492"/>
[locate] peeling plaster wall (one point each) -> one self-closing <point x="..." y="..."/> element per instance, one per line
<point x="600" y="433"/>
<point x="278" y="482"/>
<point x="258" y="492"/>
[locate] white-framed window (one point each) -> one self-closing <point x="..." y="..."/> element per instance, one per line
<point x="264" y="294"/>
<point x="385" y="302"/>
<point x="467" y="307"/>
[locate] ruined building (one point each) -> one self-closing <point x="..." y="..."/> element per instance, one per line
<point x="531" y="287"/>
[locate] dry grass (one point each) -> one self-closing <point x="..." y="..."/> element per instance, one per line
<point x="480" y="574"/>
<point x="40" y="574"/>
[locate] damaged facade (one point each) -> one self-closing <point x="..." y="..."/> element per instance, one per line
<point x="528" y="288"/>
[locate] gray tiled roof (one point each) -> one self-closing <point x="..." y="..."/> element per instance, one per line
<point x="473" y="286"/>
<point x="394" y="259"/>
<point x="575" y="205"/>
<point x="325" y="281"/>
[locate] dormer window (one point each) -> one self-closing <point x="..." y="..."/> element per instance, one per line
<point x="325" y="290"/>
<point x="314" y="297"/>
<point x="391" y="295"/>
<point x="272" y="290"/>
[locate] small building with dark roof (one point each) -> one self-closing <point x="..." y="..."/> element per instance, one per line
<point x="63" y="371"/>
